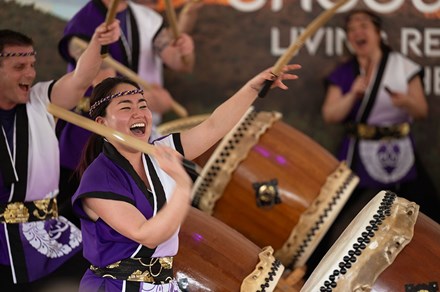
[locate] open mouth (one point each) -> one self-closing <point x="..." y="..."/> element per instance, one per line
<point x="138" y="128"/>
<point x="361" y="42"/>
<point x="24" y="87"/>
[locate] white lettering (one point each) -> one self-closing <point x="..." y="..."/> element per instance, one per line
<point x="340" y="39"/>
<point x="427" y="80"/>
<point x="436" y="81"/>
<point x="375" y="5"/>
<point x="275" y="49"/>
<point x="426" y="8"/>
<point x="312" y="43"/>
<point x="329" y="38"/>
<point x="306" y="5"/>
<point x="422" y="43"/>
<point x="277" y="5"/>
<point x="432" y="40"/>
<point x="432" y="81"/>
<point x="411" y="39"/>
<point x="384" y="7"/>
<point x="333" y="40"/>
<point x="247" y="6"/>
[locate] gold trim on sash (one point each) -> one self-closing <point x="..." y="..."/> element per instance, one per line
<point x="149" y="270"/>
<point x="371" y="132"/>
<point x="21" y="212"/>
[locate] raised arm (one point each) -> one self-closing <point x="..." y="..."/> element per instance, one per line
<point x="200" y="138"/>
<point x="68" y="90"/>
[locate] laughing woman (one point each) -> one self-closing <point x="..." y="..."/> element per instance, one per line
<point x="377" y="94"/>
<point x="130" y="204"/>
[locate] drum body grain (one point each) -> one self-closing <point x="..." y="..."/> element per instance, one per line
<point x="214" y="257"/>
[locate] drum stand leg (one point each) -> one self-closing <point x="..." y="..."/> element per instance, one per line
<point x="291" y="282"/>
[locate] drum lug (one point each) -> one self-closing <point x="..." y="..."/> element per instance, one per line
<point x="266" y="193"/>
<point x="183" y="284"/>
<point x="428" y="287"/>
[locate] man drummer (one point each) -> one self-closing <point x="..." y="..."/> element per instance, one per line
<point x="34" y="240"/>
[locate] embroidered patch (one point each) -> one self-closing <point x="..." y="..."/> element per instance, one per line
<point x="387" y="160"/>
<point x="53" y="238"/>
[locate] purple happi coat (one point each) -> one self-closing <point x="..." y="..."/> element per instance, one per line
<point x="385" y="162"/>
<point x="112" y="177"/>
<point x="29" y="149"/>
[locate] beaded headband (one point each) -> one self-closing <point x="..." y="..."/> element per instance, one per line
<point x="27" y="54"/>
<point x="110" y="97"/>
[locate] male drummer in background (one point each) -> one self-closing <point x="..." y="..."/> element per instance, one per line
<point x="34" y="240"/>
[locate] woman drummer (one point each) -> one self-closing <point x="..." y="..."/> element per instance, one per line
<point x="132" y="204"/>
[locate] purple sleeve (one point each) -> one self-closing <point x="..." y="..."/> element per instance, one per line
<point x="102" y="179"/>
<point x="82" y="25"/>
<point x="344" y="75"/>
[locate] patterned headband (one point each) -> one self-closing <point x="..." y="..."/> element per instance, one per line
<point x="33" y="53"/>
<point x="110" y="97"/>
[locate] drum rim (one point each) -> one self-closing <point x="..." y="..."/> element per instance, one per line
<point x="340" y="259"/>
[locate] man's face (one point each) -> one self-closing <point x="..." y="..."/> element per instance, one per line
<point x="16" y="76"/>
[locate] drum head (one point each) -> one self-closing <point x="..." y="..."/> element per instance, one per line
<point x="367" y="246"/>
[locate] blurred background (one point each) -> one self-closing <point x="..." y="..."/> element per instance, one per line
<point x="236" y="39"/>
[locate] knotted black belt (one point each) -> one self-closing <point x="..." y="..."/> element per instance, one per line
<point x="149" y="270"/>
<point x="371" y="132"/>
<point x="20" y="212"/>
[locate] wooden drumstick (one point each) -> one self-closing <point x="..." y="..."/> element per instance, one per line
<point x="295" y="46"/>
<point x="111" y="14"/>
<point x="113" y="135"/>
<point x="127" y="72"/>
<point x="188" y="5"/>
<point x="172" y="19"/>
<point x="186" y="20"/>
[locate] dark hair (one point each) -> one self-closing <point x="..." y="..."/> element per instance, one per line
<point x="95" y="142"/>
<point x="104" y="89"/>
<point x="12" y="38"/>
<point x="375" y="19"/>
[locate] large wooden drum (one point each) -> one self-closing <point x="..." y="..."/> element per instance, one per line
<point x="274" y="185"/>
<point x="214" y="257"/>
<point x="389" y="246"/>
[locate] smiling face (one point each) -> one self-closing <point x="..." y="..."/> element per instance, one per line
<point x="128" y="114"/>
<point x="17" y="73"/>
<point x="363" y="34"/>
